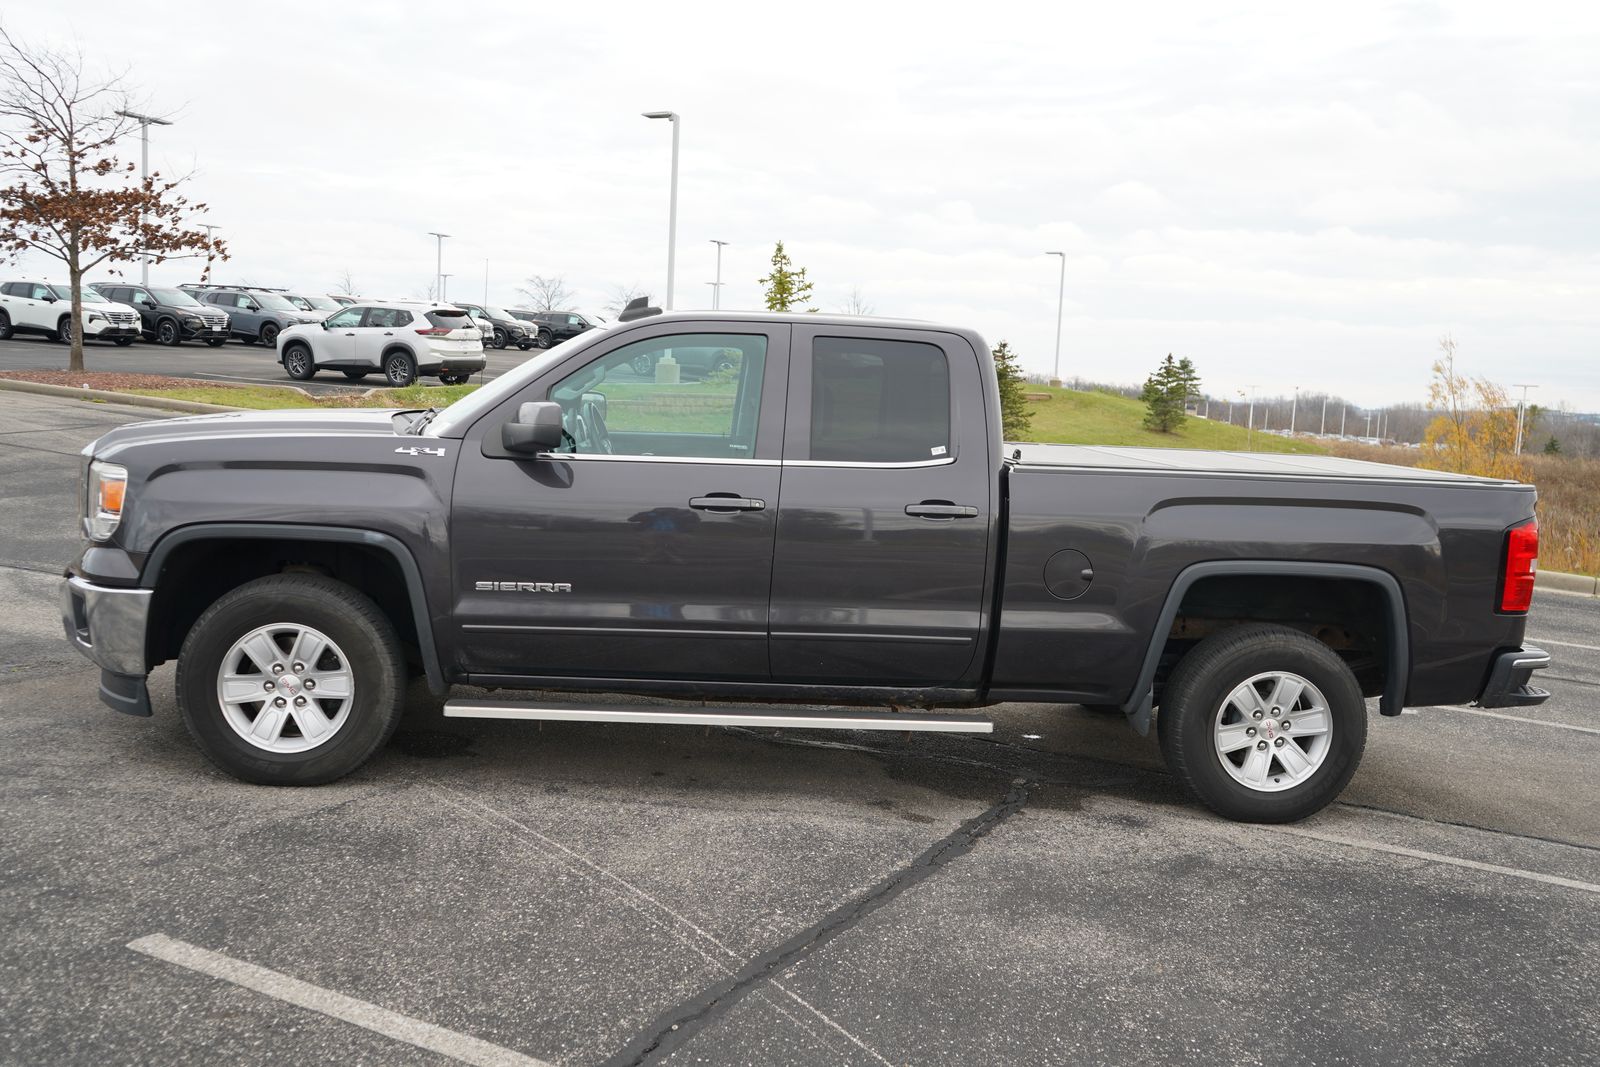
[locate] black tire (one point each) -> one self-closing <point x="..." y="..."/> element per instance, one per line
<point x="269" y="334"/>
<point x="455" y="379"/>
<point x="217" y="342"/>
<point x="723" y="365"/>
<point x="356" y="375"/>
<point x="399" y="369"/>
<point x="544" y="340"/>
<point x="299" y="363"/>
<point x="351" y="620"/>
<point x="524" y="344"/>
<point x="168" y="333"/>
<point x="5" y="327"/>
<point x="64" y="329"/>
<point x="124" y="342"/>
<point x="1201" y="683"/>
<point x="499" y="339"/>
<point x="643" y="366"/>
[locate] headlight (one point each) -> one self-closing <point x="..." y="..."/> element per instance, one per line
<point x="196" y="323"/>
<point x="95" y="315"/>
<point x="108" y="485"/>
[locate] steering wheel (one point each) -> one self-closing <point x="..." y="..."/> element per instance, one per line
<point x="595" y="423"/>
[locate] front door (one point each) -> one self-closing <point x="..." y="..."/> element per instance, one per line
<point x="643" y="548"/>
<point x="887" y="510"/>
<point x="338" y="343"/>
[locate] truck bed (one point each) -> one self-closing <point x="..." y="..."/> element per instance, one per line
<point x="1247" y="463"/>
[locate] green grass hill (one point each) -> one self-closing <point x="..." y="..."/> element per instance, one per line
<point x="1070" y="417"/>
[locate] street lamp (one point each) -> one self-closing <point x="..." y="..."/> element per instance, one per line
<point x="1293" y="407"/>
<point x="1250" y="427"/>
<point x="145" y="122"/>
<point x="438" y="263"/>
<point x="444" y="280"/>
<point x="1522" y="410"/>
<point x="210" y="228"/>
<point x="1061" y="296"/>
<point x="716" y="286"/>
<point x="672" y="209"/>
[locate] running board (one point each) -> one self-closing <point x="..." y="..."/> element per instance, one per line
<point x="732" y="716"/>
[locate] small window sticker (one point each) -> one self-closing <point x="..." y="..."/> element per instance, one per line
<point x="940" y="450"/>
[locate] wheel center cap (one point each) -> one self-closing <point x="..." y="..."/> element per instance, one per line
<point x="1269" y="730"/>
<point x="288" y="683"/>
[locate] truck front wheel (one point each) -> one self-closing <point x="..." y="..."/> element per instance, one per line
<point x="1263" y="723"/>
<point x="291" y="679"/>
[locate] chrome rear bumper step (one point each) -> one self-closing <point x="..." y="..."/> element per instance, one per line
<point x="802" y="719"/>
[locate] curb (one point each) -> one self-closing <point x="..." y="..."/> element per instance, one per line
<point x="1567" y="583"/>
<point x="129" y="399"/>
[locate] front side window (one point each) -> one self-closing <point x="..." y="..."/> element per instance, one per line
<point x="638" y="400"/>
<point x="879" y="401"/>
<point x="346" y="319"/>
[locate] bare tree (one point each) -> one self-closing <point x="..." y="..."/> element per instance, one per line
<point x="856" y="304"/>
<point x="347" y="284"/>
<point x="69" y="197"/>
<point x="548" y="293"/>
<point x="620" y="296"/>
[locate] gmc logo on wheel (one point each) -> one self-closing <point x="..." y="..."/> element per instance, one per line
<point x="524" y="587"/>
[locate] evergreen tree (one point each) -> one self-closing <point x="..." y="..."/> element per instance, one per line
<point x="1166" y="393"/>
<point x="1015" y="418"/>
<point x="785" y="286"/>
<point x="1552" y="447"/>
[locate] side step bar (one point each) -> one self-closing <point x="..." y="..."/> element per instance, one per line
<point x="805" y="719"/>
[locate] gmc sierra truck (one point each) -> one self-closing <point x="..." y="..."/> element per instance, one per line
<point x="832" y="523"/>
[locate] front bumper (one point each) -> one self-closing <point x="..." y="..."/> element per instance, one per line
<point x="112" y="333"/>
<point x="1508" y="680"/>
<point x="107" y="625"/>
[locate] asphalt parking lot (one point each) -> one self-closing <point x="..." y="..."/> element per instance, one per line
<point x="234" y="363"/>
<point x="493" y="892"/>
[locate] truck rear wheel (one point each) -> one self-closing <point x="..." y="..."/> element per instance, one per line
<point x="291" y="680"/>
<point x="1263" y="723"/>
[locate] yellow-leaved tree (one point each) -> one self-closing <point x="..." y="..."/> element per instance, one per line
<point x="1475" y="431"/>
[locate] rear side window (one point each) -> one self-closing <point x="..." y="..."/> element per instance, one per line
<point x="879" y="401"/>
<point x="450" y="320"/>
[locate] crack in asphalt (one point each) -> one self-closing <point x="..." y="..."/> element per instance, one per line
<point x="678" y="1024"/>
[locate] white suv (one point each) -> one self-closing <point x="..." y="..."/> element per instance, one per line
<point x="402" y="339"/>
<point x="40" y="307"/>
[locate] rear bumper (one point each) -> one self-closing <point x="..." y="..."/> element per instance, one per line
<point x="1508" y="685"/>
<point x="445" y="364"/>
<point x="107" y="625"/>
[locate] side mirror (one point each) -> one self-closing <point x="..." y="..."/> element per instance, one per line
<point x="326" y="324"/>
<point x="537" y="428"/>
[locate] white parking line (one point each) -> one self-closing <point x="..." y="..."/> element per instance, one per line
<point x="335" y="1005"/>
<point x="1518" y="718"/>
<point x="1564" y="644"/>
<point x="1434" y="857"/>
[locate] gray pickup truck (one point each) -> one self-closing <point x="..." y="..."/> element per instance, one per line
<point x="829" y="523"/>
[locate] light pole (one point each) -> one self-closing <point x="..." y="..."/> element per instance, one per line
<point x="716" y="286"/>
<point x="444" y="280"/>
<point x="1293" y="407"/>
<point x="672" y="208"/>
<point x="1061" y="297"/>
<point x="1343" y="411"/>
<point x="1322" y="430"/>
<point x="145" y="122"/>
<point x="438" y="263"/>
<point x="210" y="228"/>
<point x="1522" y="409"/>
<point x="1250" y="429"/>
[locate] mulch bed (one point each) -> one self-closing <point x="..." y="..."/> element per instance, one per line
<point x="110" y="380"/>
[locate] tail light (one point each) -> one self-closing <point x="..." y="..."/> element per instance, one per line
<point x="434" y="331"/>
<point x="1522" y="563"/>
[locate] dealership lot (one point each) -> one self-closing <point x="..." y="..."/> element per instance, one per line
<point x="230" y="364"/>
<point x="588" y="893"/>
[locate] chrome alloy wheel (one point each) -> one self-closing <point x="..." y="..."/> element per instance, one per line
<point x="285" y="688"/>
<point x="1273" y="731"/>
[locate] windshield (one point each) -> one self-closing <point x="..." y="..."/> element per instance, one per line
<point x="323" y="303"/>
<point x="273" y="300"/>
<point x="463" y="412"/>
<point x="299" y="301"/>
<point x="499" y="313"/>
<point x="175" y="297"/>
<point x="89" y="295"/>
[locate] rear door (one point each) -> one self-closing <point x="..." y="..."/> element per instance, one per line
<point x="642" y="549"/>
<point x="887" y="511"/>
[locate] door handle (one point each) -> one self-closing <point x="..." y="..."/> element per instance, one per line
<point x="388" y="333"/>
<point x="726" y="502"/>
<point x="940" y="509"/>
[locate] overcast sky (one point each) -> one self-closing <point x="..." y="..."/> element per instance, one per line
<point x="1286" y="198"/>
